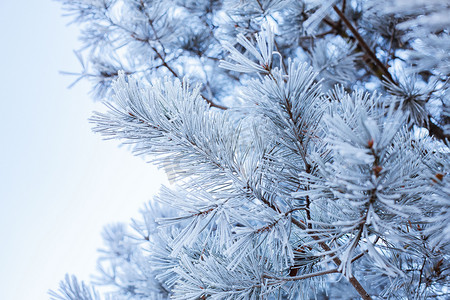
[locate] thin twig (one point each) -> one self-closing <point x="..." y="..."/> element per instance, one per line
<point x="421" y="273"/>
<point x="364" y="252"/>
<point x="391" y="42"/>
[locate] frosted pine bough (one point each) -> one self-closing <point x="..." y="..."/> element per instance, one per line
<point x="310" y="186"/>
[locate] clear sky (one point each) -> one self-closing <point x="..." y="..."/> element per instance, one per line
<point x="59" y="182"/>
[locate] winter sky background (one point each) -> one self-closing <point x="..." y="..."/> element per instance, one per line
<point x="59" y="182"/>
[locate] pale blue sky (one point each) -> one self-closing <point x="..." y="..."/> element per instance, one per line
<point x="59" y="182"/>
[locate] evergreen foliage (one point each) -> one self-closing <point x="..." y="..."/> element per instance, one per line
<point x="307" y="141"/>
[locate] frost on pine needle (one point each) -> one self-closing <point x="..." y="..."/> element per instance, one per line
<point x="263" y="53"/>
<point x="334" y="61"/>
<point x="410" y="97"/>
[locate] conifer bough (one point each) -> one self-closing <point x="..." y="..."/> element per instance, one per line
<point x="307" y="143"/>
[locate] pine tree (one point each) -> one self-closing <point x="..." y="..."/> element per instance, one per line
<point x="307" y="141"/>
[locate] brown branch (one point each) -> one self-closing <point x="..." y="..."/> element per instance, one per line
<point x="213" y="104"/>
<point x="421" y="272"/>
<point x="382" y="70"/>
<point x="164" y="63"/>
<point x="364" y="252"/>
<point x="308" y="201"/>
<point x="359" y="256"/>
<point x="150" y="22"/>
<point x="267" y="202"/>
